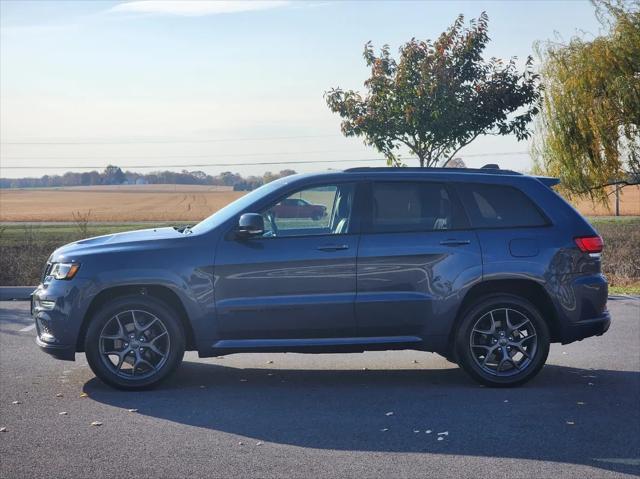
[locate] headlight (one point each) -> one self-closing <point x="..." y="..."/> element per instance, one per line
<point x="64" y="270"/>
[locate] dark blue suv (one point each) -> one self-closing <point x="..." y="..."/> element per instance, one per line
<point x="486" y="267"/>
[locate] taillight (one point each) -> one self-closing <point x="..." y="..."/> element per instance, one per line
<point x="589" y="244"/>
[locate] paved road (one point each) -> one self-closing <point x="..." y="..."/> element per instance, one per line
<point x="291" y="415"/>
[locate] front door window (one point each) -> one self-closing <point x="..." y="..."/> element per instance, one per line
<point x="321" y="210"/>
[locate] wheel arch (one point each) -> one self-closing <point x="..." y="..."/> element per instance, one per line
<point x="524" y="288"/>
<point x="161" y="293"/>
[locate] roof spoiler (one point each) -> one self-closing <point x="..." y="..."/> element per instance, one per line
<point x="547" y="180"/>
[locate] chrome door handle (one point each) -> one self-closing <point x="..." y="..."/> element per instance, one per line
<point x="454" y="242"/>
<point x="333" y="247"/>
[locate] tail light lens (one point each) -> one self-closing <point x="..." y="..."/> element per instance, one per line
<point x="589" y="244"/>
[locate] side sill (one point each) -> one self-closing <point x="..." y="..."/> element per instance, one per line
<point x="318" y="344"/>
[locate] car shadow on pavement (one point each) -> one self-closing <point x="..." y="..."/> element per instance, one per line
<point x="566" y="415"/>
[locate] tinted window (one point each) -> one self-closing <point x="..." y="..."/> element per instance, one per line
<point x="404" y="206"/>
<point x="313" y="211"/>
<point x="498" y="206"/>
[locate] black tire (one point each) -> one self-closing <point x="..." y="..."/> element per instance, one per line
<point x="477" y="361"/>
<point x="169" y="341"/>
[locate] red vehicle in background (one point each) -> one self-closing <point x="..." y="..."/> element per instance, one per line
<point x="298" y="208"/>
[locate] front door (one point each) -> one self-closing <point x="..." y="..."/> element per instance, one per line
<point x="416" y="254"/>
<point x="298" y="279"/>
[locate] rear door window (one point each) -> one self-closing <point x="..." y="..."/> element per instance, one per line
<point x="499" y="206"/>
<point x="413" y="206"/>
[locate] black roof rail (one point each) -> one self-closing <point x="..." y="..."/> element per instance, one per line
<point x="487" y="170"/>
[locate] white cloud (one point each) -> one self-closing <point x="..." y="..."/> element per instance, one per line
<point x="196" y="8"/>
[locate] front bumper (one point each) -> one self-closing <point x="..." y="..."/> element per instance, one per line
<point x="57" y="308"/>
<point x="58" y="351"/>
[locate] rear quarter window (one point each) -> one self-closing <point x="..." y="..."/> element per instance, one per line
<point x="499" y="206"/>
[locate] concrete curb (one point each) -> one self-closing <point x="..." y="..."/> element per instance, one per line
<point x="16" y="293"/>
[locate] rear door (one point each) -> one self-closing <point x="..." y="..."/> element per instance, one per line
<point x="298" y="280"/>
<point x="416" y="254"/>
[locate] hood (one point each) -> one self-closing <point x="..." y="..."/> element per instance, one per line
<point x="126" y="240"/>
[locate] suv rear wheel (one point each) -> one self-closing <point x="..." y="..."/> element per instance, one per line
<point x="502" y="341"/>
<point x="134" y="342"/>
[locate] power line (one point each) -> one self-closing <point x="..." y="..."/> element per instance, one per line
<point x="30" y="167"/>
<point x="201" y="165"/>
<point x="163" y="157"/>
<point x="143" y="142"/>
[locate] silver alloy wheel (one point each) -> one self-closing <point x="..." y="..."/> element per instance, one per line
<point x="134" y="344"/>
<point x="503" y="342"/>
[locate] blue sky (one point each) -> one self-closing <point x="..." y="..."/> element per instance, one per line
<point x="153" y="83"/>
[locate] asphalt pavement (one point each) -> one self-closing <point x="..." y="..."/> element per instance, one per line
<point x="377" y="414"/>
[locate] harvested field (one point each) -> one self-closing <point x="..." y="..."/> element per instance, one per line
<point x="115" y="203"/>
<point x="130" y="203"/>
<point x="629" y="204"/>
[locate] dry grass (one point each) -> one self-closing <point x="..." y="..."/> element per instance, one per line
<point x="116" y="204"/>
<point x="621" y="254"/>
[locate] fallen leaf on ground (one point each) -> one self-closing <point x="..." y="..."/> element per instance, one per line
<point x="96" y="423"/>
<point x="16" y="402"/>
<point x="63" y="413"/>
<point x="3" y="429"/>
<point x="240" y="443"/>
<point x="59" y="395"/>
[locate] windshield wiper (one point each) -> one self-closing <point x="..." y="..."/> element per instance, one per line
<point x="185" y="229"/>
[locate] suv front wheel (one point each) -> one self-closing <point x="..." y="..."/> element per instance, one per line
<point x="134" y="342"/>
<point x="502" y="341"/>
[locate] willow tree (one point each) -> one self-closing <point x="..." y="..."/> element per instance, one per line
<point x="588" y="134"/>
<point x="438" y="96"/>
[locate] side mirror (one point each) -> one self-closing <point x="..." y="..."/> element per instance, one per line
<point x="250" y="224"/>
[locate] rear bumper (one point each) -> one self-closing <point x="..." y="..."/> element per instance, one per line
<point x="586" y="328"/>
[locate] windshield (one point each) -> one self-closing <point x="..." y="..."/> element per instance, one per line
<point x="234" y="208"/>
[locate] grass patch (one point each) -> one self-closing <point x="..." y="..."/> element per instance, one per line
<point x="632" y="289"/>
<point x="24" y="249"/>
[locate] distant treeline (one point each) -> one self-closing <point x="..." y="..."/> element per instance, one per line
<point x="113" y="175"/>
